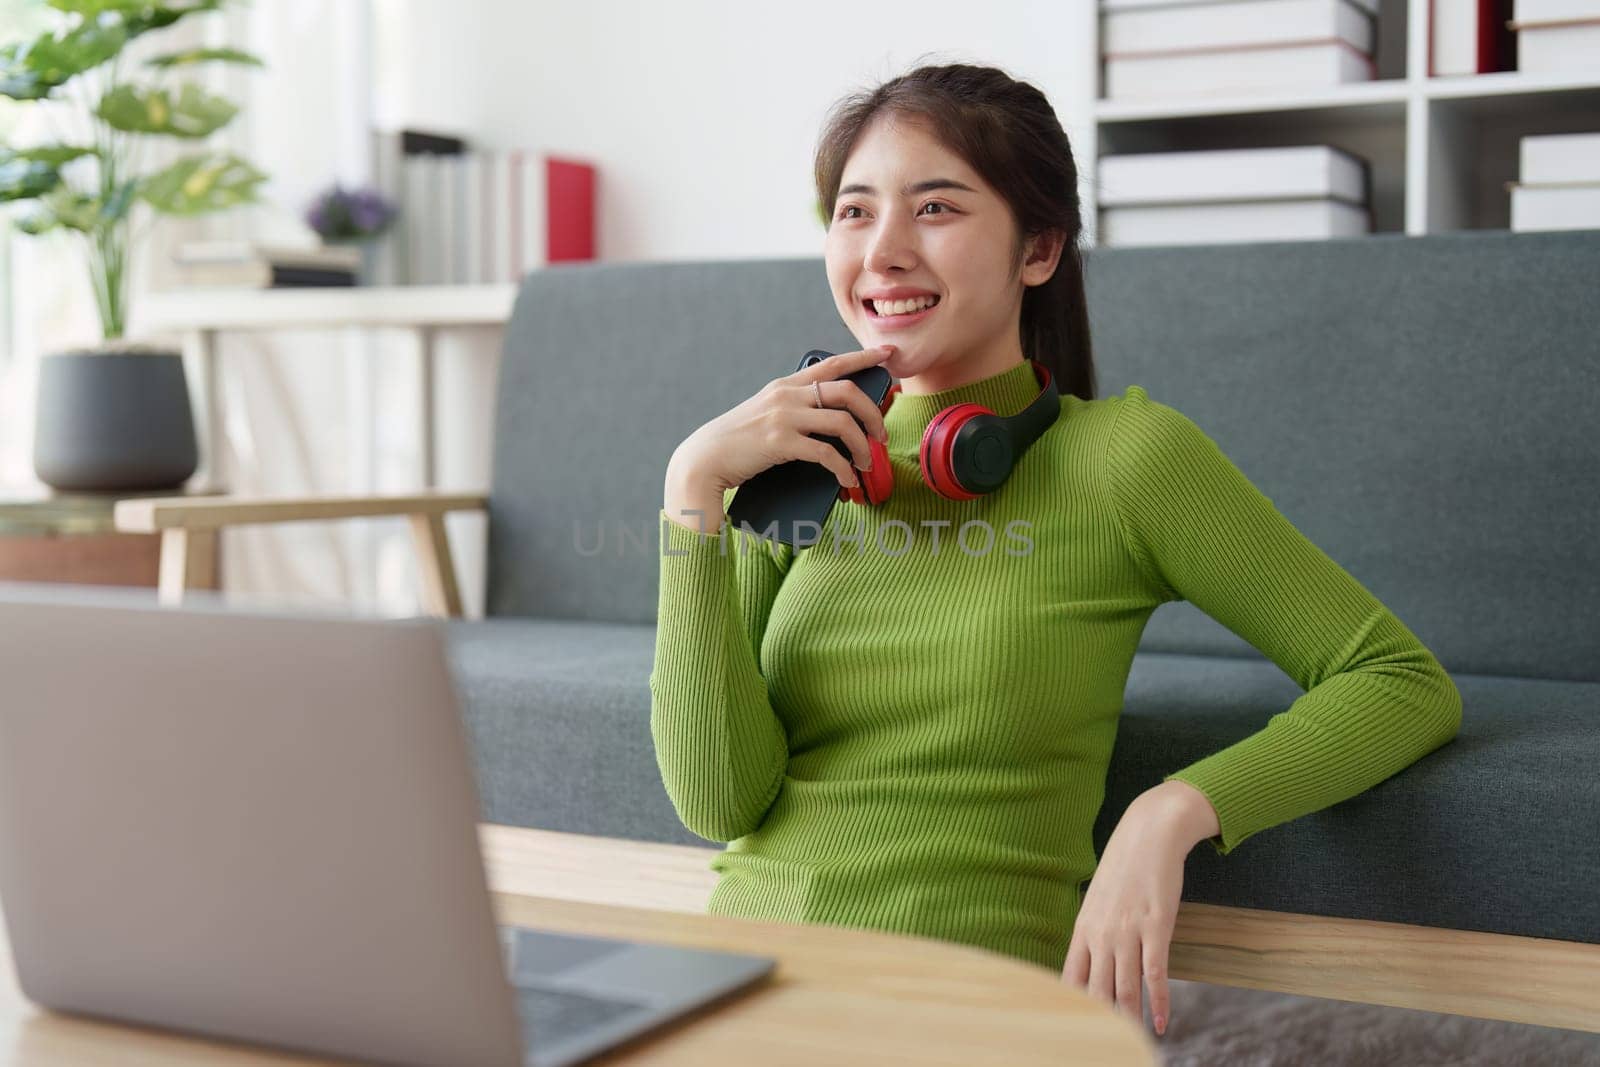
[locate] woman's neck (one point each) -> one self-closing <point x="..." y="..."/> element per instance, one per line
<point x="962" y="371"/>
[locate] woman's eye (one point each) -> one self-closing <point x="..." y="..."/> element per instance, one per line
<point x="844" y="212"/>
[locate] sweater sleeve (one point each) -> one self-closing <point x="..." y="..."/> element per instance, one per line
<point x="721" y="748"/>
<point x="1375" y="699"/>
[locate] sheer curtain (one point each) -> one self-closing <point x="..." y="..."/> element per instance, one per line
<point x="306" y="412"/>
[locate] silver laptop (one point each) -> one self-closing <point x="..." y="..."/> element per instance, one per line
<point x="263" y="826"/>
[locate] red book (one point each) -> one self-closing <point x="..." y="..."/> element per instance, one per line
<point x="570" y="188"/>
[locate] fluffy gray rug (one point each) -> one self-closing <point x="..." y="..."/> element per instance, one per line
<point x="1215" y="1025"/>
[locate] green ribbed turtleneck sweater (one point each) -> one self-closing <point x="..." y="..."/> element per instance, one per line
<point x="911" y="731"/>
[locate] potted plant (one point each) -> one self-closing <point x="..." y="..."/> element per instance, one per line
<point x="115" y="415"/>
<point x="355" y="217"/>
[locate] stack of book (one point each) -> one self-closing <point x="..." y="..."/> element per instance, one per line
<point x="473" y="217"/>
<point x="1167" y="49"/>
<point x="1557" y="35"/>
<point x="248" y="265"/>
<point x="1560" y="186"/>
<point x="1298" y="193"/>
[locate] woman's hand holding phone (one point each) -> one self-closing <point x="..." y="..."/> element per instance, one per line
<point x="781" y="422"/>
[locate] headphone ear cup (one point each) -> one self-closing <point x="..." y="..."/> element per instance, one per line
<point x="877" y="484"/>
<point x="938" y="450"/>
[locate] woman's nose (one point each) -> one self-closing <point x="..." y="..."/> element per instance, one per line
<point x="890" y="246"/>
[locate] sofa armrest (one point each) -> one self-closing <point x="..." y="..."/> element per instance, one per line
<point x="189" y="527"/>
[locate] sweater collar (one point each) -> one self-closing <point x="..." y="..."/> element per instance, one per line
<point x="1005" y="393"/>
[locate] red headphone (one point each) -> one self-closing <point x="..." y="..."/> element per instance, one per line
<point x="967" y="450"/>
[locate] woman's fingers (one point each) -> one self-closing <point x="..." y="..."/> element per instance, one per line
<point x="1102" y="976"/>
<point x="844" y="363"/>
<point x="1155" y="977"/>
<point x="849" y="395"/>
<point x="1119" y="976"/>
<point x="840" y="424"/>
<point x="1076" y="970"/>
<point x="1129" y="996"/>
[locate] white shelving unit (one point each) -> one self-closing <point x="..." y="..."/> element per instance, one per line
<point x="1440" y="149"/>
<point x="199" y="316"/>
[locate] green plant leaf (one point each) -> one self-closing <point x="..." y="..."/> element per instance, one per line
<point x="24" y="179"/>
<point x="87" y="213"/>
<point x="36" y="222"/>
<point x="31" y="172"/>
<point x="147" y="17"/>
<point x="198" y="184"/>
<point x="195" y="112"/>
<point x="54" y="154"/>
<point x="93" y="9"/>
<point x="72" y="209"/>
<point x="29" y="70"/>
<point x="202" y="55"/>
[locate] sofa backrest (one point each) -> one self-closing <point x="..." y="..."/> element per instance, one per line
<point x="606" y="368"/>
<point x="1420" y="407"/>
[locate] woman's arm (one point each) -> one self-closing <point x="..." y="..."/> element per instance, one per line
<point x="720" y="747"/>
<point x="1375" y="701"/>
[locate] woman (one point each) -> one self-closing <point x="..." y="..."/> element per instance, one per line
<point x="909" y="733"/>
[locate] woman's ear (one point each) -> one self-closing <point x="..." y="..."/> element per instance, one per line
<point x="1043" y="253"/>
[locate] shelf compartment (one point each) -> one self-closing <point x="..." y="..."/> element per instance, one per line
<point x="1474" y="146"/>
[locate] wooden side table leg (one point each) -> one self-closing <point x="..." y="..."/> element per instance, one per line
<point x="440" y="596"/>
<point x="188" y="561"/>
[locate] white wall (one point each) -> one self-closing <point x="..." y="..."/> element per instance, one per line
<point x="703" y="114"/>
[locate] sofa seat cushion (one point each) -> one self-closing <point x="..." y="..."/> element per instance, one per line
<point x="558" y="717"/>
<point x="1495" y="831"/>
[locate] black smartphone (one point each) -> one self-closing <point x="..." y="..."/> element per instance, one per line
<point x="790" y="501"/>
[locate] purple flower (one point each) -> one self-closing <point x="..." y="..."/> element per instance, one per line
<point x="340" y="214"/>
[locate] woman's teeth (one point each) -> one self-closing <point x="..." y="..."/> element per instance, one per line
<point x="903" y="307"/>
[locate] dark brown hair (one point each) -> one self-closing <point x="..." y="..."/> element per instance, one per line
<point x="1007" y="131"/>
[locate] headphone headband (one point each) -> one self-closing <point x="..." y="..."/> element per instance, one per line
<point x="1029" y="424"/>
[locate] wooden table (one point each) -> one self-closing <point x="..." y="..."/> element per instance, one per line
<point x="49" y="536"/>
<point x="838" y="995"/>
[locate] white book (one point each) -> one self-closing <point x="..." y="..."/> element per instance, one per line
<point x="418" y="207"/>
<point x="1297" y="172"/>
<point x="1455" y="37"/>
<point x="1371" y="6"/>
<point x="1554" y="10"/>
<point x="484" y="269"/>
<point x="1284" y="220"/>
<point x="500" y="197"/>
<point x="535" y="205"/>
<point x="232" y="252"/>
<point x="449" y="169"/>
<point x="389" y="179"/>
<point x="1557" y="207"/>
<point x="1235" y="24"/>
<point x="472" y="218"/>
<point x="1556" y="158"/>
<point x="1182" y="76"/>
<point x="1557" y="36"/>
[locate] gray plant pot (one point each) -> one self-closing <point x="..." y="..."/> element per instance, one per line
<point x="114" y="418"/>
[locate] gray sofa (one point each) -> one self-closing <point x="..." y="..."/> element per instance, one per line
<point x="1423" y="408"/>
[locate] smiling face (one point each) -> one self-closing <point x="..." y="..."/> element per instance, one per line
<point x="913" y="218"/>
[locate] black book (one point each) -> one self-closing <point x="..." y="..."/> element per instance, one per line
<point x="420" y="142"/>
<point x="285" y="277"/>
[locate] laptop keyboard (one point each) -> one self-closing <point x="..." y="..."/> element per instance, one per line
<point x="551" y="1015"/>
